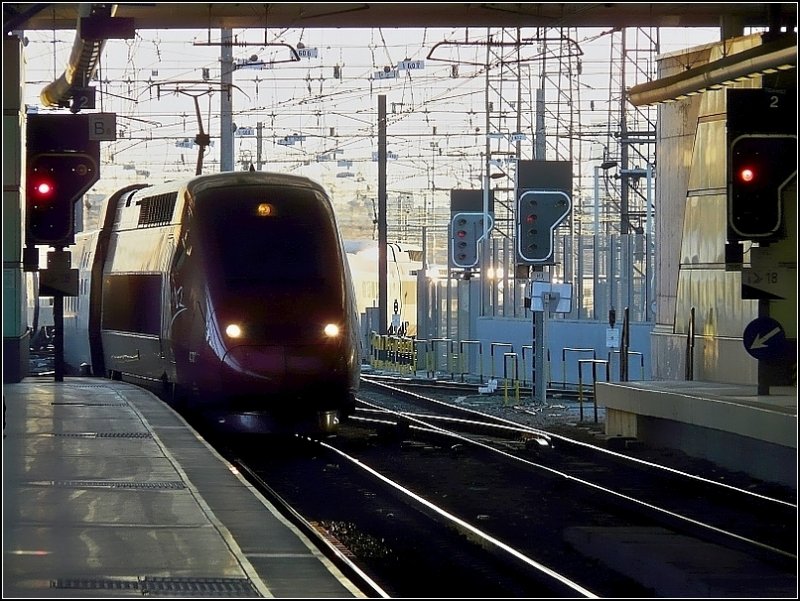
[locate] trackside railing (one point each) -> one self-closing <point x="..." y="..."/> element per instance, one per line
<point x="572" y="351"/>
<point x="464" y="357"/>
<point x="613" y="353"/>
<point x="439" y="357"/>
<point x="435" y="345"/>
<point x="594" y="363"/>
<point x="492" y="347"/>
<point x="510" y="358"/>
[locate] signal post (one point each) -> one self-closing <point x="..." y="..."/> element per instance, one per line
<point x="544" y="200"/>
<point x="471" y="222"/>
<point x="467" y="232"/>
<point x="762" y="188"/>
<point x="63" y="162"/>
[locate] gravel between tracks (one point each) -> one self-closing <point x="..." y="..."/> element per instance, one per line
<point x="565" y="417"/>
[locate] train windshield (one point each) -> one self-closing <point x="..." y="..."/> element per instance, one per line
<point x="270" y="235"/>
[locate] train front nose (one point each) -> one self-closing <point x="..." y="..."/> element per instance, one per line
<point x="284" y="367"/>
<point x="305" y="384"/>
<point x="311" y="359"/>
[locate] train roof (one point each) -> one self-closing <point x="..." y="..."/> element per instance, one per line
<point x="251" y="178"/>
<point x="162" y="204"/>
<point x="232" y="178"/>
<point x="397" y="252"/>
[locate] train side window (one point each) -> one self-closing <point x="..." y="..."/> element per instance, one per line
<point x="131" y="303"/>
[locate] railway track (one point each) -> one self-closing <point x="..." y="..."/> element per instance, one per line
<point x="455" y="385"/>
<point x="409" y="545"/>
<point x="765" y="519"/>
<point x="431" y="504"/>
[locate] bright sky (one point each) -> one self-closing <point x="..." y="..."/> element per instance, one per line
<point x="325" y="127"/>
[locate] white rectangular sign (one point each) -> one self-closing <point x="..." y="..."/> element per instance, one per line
<point x="103" y="126"/>
<point x="775" y="283"/>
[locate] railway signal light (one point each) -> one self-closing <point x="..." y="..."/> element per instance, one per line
<point x="63" y="162"/>
<point x="466" y="232"/>
<point x="759" y="167"/>
<point x="55" y="181"/>
<point x="538" y="214"/>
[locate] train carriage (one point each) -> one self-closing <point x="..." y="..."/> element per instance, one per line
<point x="231" y="291"/>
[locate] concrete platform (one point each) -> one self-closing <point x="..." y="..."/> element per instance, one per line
<point x="728" y="424"/>
<point x="108" y="492"/>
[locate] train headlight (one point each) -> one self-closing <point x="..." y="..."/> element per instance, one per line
<point x="264" y="209"/>
<point x="331" y="330"/>
<point x="233" y="330"/>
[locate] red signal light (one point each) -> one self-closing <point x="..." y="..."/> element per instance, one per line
<point x="461" y="233"/>
<point x="43" y="188"/>
<point x="761" y="168"/>
<point x="747" y="174"/>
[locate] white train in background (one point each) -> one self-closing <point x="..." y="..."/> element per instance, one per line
<point x="403" y="264"/>
<point x="40" y="314"/>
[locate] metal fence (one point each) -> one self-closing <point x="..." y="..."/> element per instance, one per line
<point x="605" y="272"/>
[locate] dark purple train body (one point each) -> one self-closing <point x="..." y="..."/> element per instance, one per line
<point x="232" y="291"/>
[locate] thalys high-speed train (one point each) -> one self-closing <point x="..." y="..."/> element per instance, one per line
<point x="403" y="266"/>
<point x="231" y="291"/>
<point x="403" y="261"/>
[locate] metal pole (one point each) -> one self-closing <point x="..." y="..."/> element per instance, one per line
<point x="540" y="148"/>
<point x="624" y="226"/>
<point x="423" y="291"/>
<point x="611" y="276"/>
<point x="762" y="371"/>
<point x="58" y="339"/>
<point x="648" y="259"/>
<point x="538" y="387"/>
<point x="382" y="229"/>
<point x="259" y="142"/>
<point x="624" y="346"/>
<point x="689" y="370"/>
<point x="544" y="353"/>
<point x="484" y="259"/>
<point x="508" y="265"/>
<point x="226" y="103"/>
<point x="595" y="243"/>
